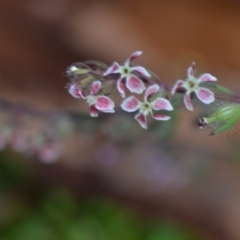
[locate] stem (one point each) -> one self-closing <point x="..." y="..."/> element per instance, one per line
<point x="235" y="98"/>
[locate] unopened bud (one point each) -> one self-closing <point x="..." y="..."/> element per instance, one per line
<point x="222" y="119"/>
<point x="76" y="71"/>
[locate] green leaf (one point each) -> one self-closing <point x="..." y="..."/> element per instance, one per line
<point x="218" y="88"/>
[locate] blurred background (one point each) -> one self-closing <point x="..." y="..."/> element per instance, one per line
<point x="107" y="178"/>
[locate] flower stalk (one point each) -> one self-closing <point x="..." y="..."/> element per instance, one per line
<point x="96" y="82"/>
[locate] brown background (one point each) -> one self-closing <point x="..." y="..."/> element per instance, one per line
<point x="40" y="38"/>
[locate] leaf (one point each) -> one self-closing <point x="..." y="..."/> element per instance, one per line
<point x="218" y="88"/>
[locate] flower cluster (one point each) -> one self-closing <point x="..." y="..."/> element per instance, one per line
<point x="94" y="82"/>
<point x="32" y="133"/>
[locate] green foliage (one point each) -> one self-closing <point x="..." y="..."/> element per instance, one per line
<point x="169" y="231"/>
<point x="58" y="214"/>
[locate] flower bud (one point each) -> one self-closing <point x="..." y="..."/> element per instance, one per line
<point x="222" y="119"/>
<point x="76" y="71"/>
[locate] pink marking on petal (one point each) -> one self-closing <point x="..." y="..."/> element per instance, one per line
<point x="177" y="85"/>
<point x="133" y="56"/>
<point x="134" y="84"/>
<point x="162" y="104"/>
<point x="151" y="90"/>
<point x="96" y="86"/>
<point x="114" y="68"/>
<point x="206" y="77"/>
<point x="131" y="104"/>
<point x="104" y="104"/>
<point x="188" y="101"/>
<point x="82" y="94"/>
<point x="120" y="88"/>
<point x="190" y="70"/>
<point x="161" y="117"/>
<point x="205" y="95"/>
<point x="93" y="111"/>
<point x="141" y="70"/>
<point x="142" y="120"/>
<point x="74" y="90"/>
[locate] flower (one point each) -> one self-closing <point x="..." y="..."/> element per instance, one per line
<point x="128" y="75"/>
<point x="99" y="102"/>
<point x="192" y="85"/>
<point x="152" y="101"/>
<point x="76" y="91"/>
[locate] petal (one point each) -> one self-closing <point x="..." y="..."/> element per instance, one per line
<point x="190" y="70"/>
<point x="133" y="56"/>
<point x="206" y="77"/>
<point x="120" y="88"/>
<point x="151" y="90"/>
<point x="131" y="104"/>
<point x="188" y="101"/>
<point x="142" y="120"/>
<point x="96" y="86"/>
<point x="104" y="104"/>
<point x="141" y="70"/>
<point x="134" y="84"/>
<point x="162" y="104"/>
<point x="93" y="111"/>
<point x="161" y="117"/>
<point x="177" y="85"/>
<point x="75" y="91"/>
<point x="114" y="68"/>
<point x="205" y="95"/>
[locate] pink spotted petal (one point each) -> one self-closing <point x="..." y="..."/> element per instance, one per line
<point x="177" y="85"/>
<point x="206" y="77"/>
<point x="161" y="117"/>
<point x="114" y="68"/>
<point x="134" y="84"/>
<point x="93" y="111"/>
<point x="132" y="57"/>
<point x="141" y="70"/>
<point x="162" y="104"/>
<point x="190" y="70"/>
<point x="142" y="120"/>
<point x="131" y="104"/>
<point x="96" y="86"/>
<point x="205" y="95"/>
<point x="104" y="104"/>
<point x="120" y="88"/>
<point x="188" y="101"/>
<point x="151" y="90"/>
